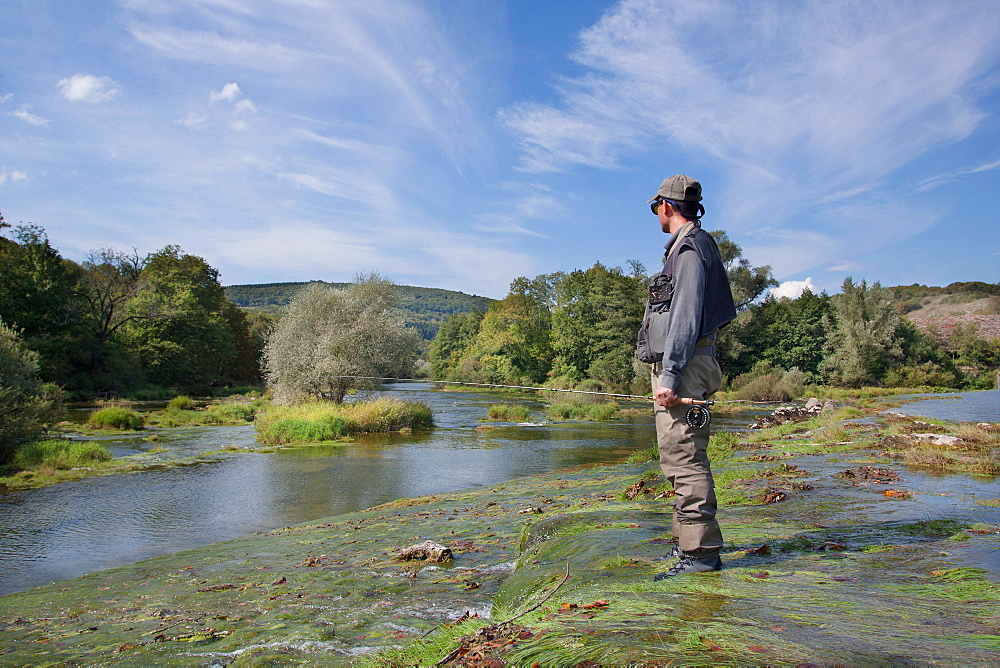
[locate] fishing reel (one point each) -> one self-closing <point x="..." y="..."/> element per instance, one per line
<point x="698" y="415"/>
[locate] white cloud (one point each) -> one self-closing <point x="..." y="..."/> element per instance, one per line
<point x="804" y="105"/>
<point x="6" y="98"/>
<point x="29" y="117"/>
<point x="194" y="120"/>
<point x="845" y="266"/>
<point x="229" y="93"/>
<point x="87" y="88"/>
<point x="941" y="179"/>
<point x="13" y="176"/>
<point x="794" y="289"/>
<point x="245" y="105"/>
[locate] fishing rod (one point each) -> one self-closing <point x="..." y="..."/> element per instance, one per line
<point x="698" y="415"/>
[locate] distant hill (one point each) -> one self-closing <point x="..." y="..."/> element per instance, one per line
<point x="422" y="308"/>
<point x="969" y="298"/>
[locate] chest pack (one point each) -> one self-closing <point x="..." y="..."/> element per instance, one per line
<point x="649" y="345"/>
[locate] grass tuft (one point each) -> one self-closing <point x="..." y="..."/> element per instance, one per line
<point x="508" y="412"/>
<point x="316" y="422"/>
<point x="115" y="417"/>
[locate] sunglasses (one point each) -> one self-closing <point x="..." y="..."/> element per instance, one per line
<point x="655" y="206"/>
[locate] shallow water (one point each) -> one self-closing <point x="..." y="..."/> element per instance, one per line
<point x="956" y="407"/>
<point x="96" y="523"/>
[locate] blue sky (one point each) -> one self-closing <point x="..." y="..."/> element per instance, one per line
<point x="463" y="143"/>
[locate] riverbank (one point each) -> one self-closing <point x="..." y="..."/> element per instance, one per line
<point x="836" y="554"/>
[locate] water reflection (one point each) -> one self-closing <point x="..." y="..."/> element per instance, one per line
<point x="958" y="407"/>
<point x="96" y="523"/>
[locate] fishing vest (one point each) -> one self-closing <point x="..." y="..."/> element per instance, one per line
<point x="717" y="310"/>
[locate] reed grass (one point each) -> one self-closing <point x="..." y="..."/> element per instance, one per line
<point x="508" y="412"/>
<point x="115" y="417"/>
<point x="317" y="422"/>
<point x="59" y="454"/>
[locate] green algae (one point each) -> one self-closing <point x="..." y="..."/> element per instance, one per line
<point x="571" y="580"/>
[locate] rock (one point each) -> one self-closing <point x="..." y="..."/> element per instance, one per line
<point x="428" y="551"/>
<point x="828" y="406"/>
<point x="939" y="439"/>
<point x="813" y="403"/>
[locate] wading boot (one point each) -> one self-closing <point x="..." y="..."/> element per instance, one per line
<point x="674" y="553"/>
<point x="690" y="563"/>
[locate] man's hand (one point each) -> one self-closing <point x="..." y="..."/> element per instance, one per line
<point x="665" y="397"/>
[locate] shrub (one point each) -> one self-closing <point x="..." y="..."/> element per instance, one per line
<point x="181" y="403"/>
<point x="25" y="402"/>
<point x="927" y="374"/>
<point x="575" y="409"/>
<point x="228" y="413"/>
<point x="60" y="454"/>
<point x="115" y="417"/>
<point x="318" y="421"/>
<point x="764" y="383"/>
<point x="508" y="412"/>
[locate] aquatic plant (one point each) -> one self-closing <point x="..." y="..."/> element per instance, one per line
<point x="115" y="417"/>
<point x="60" y="454"/>
<point x="508" y="412"/>
<point x="575" y="409"/>
<point x="181" y="403"/>
<point x="318" y="421"/>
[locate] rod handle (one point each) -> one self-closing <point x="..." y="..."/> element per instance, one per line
<point x="695" y="402"/>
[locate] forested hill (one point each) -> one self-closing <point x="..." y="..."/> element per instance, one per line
<point x="423" y="308"/>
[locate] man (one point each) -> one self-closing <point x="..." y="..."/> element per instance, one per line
<point x="689" y="301"/>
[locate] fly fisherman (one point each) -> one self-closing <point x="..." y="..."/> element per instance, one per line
<point x="689" y="301"/>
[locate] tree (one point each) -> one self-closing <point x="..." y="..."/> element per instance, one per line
<point x="330" y="337"/>
<point x="453" y="343"/>
<point x="863" y="340"/>
<point x="180" y="325"/>
<point x="38" y="295"/>
<point x="594" y="324"/>
<point x="747" y="283"/>
<point x="24" y="401"/>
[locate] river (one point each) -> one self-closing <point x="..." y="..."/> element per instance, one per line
<point x="74" y="528"/>
<point x="96" y="523"/>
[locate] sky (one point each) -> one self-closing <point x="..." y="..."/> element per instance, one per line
<point x="461" y="144"/>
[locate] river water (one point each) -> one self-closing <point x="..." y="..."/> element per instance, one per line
<point x="78" y="527"/>
<point x="74" y="528"/>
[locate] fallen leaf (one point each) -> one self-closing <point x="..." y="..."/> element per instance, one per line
<point x="760" y="551"/>
<point x="709" y="645"/>
<point x="566" y="607"/>
<point x="760" y="575"/>
<point x="758" y="649"/>
<point x="596" y="604"/>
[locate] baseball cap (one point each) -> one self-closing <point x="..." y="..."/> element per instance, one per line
<point x="679" y="188"/>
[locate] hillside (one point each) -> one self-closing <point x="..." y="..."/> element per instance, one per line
<point x="968" y="298"/>
<point x="422" y="308"/>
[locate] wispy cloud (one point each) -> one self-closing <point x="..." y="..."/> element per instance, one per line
<point x="941" y="179"/>
<point x="808" y="103"/>
<point x="29" y="117"/>
<point x="88" y="88"/>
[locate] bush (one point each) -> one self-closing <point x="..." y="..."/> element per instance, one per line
<point x="927" y="374"/>
<point x="315" y="422"/>
<point x="764" y="383"/>
<point x="25" y="402"/>
<point x="508" y="412"/>
<point x="575" y="409"/>
<point x="181" y="403"/>
<point x="227" y="413"/>
<point x="115" y="417"/>
<point x="60" y="454"/>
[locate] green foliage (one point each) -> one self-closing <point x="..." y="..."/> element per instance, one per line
<point x="594" y="323"/>
<point x="318" y="421"/>
<point x="331" y="339"/>
<point x="115" y="417"/>
<point x="863" y="341"/>
<point x="38" y="296"/>
<point x="574" y="409"/>
<point x="508" y="412"/>
<point x="25" y="402"/>
<point x="181" y="403"/>
<point x="927" y="374"/>
<point x="452" y="345"/>
<point x="181" y="327"/>
<point x="765" y="383"/>
<point x="60" y="454"/>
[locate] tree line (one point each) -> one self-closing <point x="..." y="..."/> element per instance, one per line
<point x="578" y="329"/>
<point x="123" y="321"/>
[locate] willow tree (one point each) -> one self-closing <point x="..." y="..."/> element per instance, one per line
<point x="331" y="340"/>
